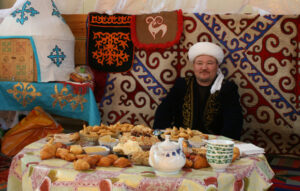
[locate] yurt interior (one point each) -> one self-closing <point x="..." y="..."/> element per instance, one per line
<point x="71" y="67"/>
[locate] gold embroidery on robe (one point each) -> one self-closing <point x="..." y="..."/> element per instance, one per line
<point x="211" y="110"/>
<point x="187" y="108"/>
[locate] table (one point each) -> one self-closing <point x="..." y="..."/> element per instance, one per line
<point x="29" y="172"/>
<point x="63" y="99"/>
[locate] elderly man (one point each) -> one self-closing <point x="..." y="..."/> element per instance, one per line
<point x="205" y="101"/>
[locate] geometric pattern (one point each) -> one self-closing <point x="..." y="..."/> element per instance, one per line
<point x="24" y="12"/>
<point x="261" y="56"/>
<point x="57" y="56"/>
<point x="17" y="60"/>
<point x="56" y="12"/>
<point x="109" y="44"/>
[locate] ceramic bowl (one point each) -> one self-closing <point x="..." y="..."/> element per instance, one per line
<point x="216" y="156"/>
<point x="109" y="144"/>
<point x="219" y="154"/>
<point x="211" y="151"/>
<point x="219" y="165"/>
<point x="220" y="143"/>
<point x="96" y="150"/>
<point x="88" y="140"/>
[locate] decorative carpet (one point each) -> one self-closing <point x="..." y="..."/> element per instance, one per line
<point x="261" y="57"/>
<point x="287" y="173"/>
<point x="4" y="169"/>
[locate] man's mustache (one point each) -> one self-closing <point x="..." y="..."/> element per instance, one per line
<point x="204" y="71"/>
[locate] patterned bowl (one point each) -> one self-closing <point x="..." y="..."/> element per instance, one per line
<point x="219" y="154"/>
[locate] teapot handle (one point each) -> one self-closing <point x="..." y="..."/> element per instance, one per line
<point x="151" y="155"/>
<point x="180" y="141"/>
<point x="167" y="138"/>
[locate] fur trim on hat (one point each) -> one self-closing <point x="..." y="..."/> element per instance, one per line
<point x="206" y="48"/>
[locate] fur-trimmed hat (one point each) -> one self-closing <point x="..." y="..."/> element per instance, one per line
<point x="206" y="48"/>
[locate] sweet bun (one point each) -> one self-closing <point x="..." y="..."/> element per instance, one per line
<point x="81" y="164"/>
<point x="122" y="162"/>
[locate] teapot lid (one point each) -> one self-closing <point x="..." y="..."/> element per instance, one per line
<point x="167" y="144"/>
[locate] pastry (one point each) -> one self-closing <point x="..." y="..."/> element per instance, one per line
<point x="92" y="160"/>
<point x="176" y="133"/>
<point x="48" y="151"/>
<point x="200" y="162"/>
<point x="81" y="164"/>
<point x="105" y="161"/>
<point x="76" y="149"/>
<point x="188" y="163"/>
<point x="61" y="152"/>
<point x="140" y="158"/>
<point x="81" y="156"/>
<point x="74" y="136"/>
<point x="127" y="148"/>
<point x="236" y="153"/>
<point x="113" y="156"/>
<point x="122" y="162"/>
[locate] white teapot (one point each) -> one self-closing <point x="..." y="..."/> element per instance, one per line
<point x="167" y="157"/>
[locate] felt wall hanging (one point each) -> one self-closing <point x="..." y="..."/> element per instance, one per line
<point x="109" y="45"/>
<point x="157" y="30"/>
<point x="261" y="56"/>
<point x="51" y="39"/>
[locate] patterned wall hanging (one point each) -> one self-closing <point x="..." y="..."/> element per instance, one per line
<point x="261" y="56"/>
<point x="157" y="30"/>
<point x="51" y="40"/>
<point x="109" y="45"/>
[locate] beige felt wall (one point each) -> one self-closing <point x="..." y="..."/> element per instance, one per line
<point x="207" y="6"/>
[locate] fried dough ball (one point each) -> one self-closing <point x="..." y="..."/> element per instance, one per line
<point x="236" y="153"/>
<point x="65" y="154"/>
<point x="59" y="145"/>
<point x="76" y="149"/>
<point x="48" y="151"/>
<point x="60" y="152"/>
<point x="74" y="136"/>
<point x="188" y="163"/>
<point x="81" y="164"/>
<point x="105" y="161"/>
<point x="92" y="160"/>
<point x="122" y="162"/>
<point x="200" y="162"/>
<point x="113" y="156"/>
<point x="69" y="157"/>
<point x="81" y="156"/>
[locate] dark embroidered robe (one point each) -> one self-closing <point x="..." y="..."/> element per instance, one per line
<point x="221" y="114"/>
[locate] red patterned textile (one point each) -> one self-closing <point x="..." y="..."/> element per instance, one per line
<point x="157" y="30"/>
<point x="262" y="57"/>
<point x="109" y="45"/>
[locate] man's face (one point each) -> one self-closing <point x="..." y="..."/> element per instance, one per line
<point x="205" y="69"/>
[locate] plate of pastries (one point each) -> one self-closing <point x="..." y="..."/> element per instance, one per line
<point x="123" y="145"/>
